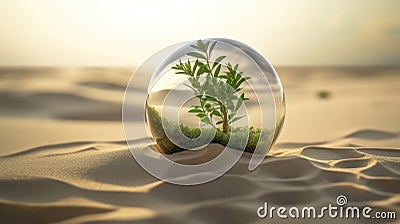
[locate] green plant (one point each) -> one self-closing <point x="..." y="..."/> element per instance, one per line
<point x="220" y="93"/>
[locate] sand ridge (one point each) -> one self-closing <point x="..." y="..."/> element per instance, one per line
<point x="106" y="177"/>
<point x="63" y="157"/>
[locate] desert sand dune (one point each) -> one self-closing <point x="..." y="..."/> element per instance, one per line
<point x="64" y="159"/>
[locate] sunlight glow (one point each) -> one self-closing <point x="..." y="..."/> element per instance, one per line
<point x="122" y="32"/>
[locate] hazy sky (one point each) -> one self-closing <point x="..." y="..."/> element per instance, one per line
<point x="314" y="32"/>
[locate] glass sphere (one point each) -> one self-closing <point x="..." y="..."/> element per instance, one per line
<point x="215" y="91"/>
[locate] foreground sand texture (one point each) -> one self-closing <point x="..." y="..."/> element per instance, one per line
<point x="64" y="158"/>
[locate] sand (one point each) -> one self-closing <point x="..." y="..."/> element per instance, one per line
<point x="64" y="158"/>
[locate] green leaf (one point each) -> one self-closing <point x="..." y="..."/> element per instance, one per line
<point x="242" y="96"/>
<point x="188" y="67"/>
<point x="230" y="105"/>
<point x="195" y="110"/>
<point x="199" y="43"/>
<point x="203" y="102"/>
<point x="195" y="47"/>
<point x="210" y="98"/>
<point x="238" y="104"/>
<point x="201" y="69"/>
<point x="196" y="55"/>
<point x="217" y="70"/>
<point x="212" y="46"/>
<point x="236" y="119"/>
<point x="201" y="46"/>
<point x="216" y="113"/>
<point x="192" y="81"/>
<point x="195" y="66"/>
<point x="218" y="60"/>
<point x="206" y="120"/>
<point x="201" y="115"/>
<point x="207" y="45"/>
<point x="220" y="122"/>
<point x="241" y="81"/>
<point x="207" y="106"/>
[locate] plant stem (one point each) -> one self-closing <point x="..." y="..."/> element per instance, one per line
<point x="225" y="118"/>
<point x="208" y="56"/>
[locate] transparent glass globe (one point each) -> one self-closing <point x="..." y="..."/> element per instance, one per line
<point x="215" y="91"/>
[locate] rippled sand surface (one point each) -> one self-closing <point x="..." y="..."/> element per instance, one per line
<point x="64" y="158"/>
